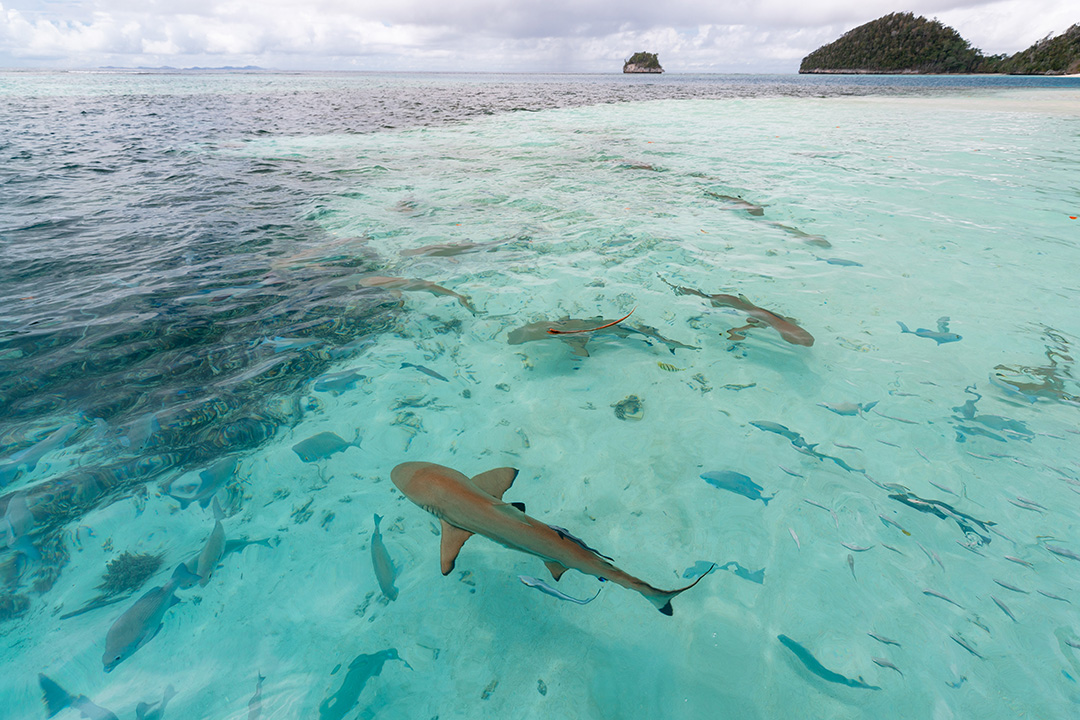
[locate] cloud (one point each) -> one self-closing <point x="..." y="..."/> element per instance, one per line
<point x="555" y="35"/>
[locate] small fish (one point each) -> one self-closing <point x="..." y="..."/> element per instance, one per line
<point x="795" y="538"/>
<point x="890" y="444"/>
<point x="1019" y="561"/>
<point x="923" y="456"/>
<point x="897" y="419"/>
<point x="851" y="564"/>
<point x="361" y="669"/>
<point x="813" y="665"/>
<point x="337" y="383"/>
<point x="942" y="335"/>
<point x="384" y="566"/>
<point x="896" y="525"/>
<point x="883" y="639"/>
<point x="321" y="446"/>
<point x="548" y="590"/>
<point x="1007" y="586"/>
<point x="142" y="621"/>
<point x="967" y="646"/>
<point x="28" y="458"/>
<point x="737" y="483"/>
<point x="886" y="664"/>
<point x="210" y="481"/>
<point x="255" y="703"/>
<point x="668" y="367"/>
<point x="829" y="510"/>
<point x="930" y="554"/>
<point x="890" y="547"/>
<point x="956" y="685"/>
<point x="936" y="594"/>
<point x="943" y="488"/>
<point x="426" y="370"/>
<point x="840" y="261"/>
<point x="1024" y="506"/>
<point x="847" y="447"/>
<point x="1004" y="608"/>
<point x="792" y="473"/>
<point x="148" y="711"/>
<point x="849" y="408"/>
<point x="856" y="548"/>
<point x="1063" y="552"/>
<point x="214" y="549"/>
<point x="1032" y="503"/>
<point x="1052" y="596"/>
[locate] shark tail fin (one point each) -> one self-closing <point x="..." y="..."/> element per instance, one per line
<point x="766" y="500"/>
<point x="903" y="327"/>
<point x="867" y="407"/>
<point x="662" y="598"/>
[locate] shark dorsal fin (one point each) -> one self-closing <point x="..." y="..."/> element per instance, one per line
<point x="496" y="482"/>
<point x="556" y="569"/>
<point x="452" y="540"/>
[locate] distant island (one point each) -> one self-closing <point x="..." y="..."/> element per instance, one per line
<point x="902" y="43"/>
<point x="642" y="62"/>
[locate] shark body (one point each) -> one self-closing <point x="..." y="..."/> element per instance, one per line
<point x="474" y="506"/>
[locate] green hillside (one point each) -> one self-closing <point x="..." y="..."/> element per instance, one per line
<point x="904" y="43"/>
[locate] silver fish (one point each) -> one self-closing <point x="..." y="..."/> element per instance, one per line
<point x="848" y="408"/>
<point x="851" y="564"/>
<point x="1003" y="607"/>
<point x="856" y="548"/>
<point x="548" y="590"/>
<point x="1024" y="506"/>
<point x="795" y="538"/>
<point x="1019" y="561"/>
<point x="936" y="594"/>
<point x="210" y="481"/>
<point x="883" y="639"/>
<point x="214" y="549"/>
<point x="792" y="473"/>
<point x="255" y="703"/>
<point x="829" y="510"/>
<point x="142" y="621"/>
<point x="966" y="645"/>
<point x="148" y="711"/>
<point x="321" y="446"/>
<point x="1007" y="586"/>
<point x="895" y="524"/>
<point x="426" y="370"/>
<point x="28" y="458"/>
<point x="1063" y="552"/>
<point x="1052" y="596"/>
<point x="931" y="554"/>
<point x="886" y="664"/>
<point x="384" y="566"/>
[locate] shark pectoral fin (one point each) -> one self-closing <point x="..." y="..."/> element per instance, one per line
<point x="496" y="482"/>
<point x="519" y="505"/>
<point x="555" y="568"/>
<point x="452" y="540"/>
<point x="577" y="345"/>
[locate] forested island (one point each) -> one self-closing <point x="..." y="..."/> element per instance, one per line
<point x="903" y="43"/>
<point x="642" y="62"/>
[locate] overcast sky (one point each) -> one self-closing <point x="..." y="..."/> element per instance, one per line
<point x="481" y="35"/>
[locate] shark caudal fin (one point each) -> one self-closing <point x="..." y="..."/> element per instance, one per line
<point x="662" y="598"/>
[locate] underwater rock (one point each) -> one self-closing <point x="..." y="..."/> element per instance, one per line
<point x="630" y="408"/>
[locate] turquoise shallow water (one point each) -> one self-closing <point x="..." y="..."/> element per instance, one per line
<point x="953" y="203"/>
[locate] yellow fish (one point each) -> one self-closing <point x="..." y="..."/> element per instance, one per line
<point x="668" y="367"/>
